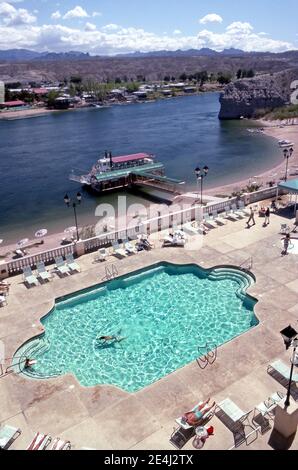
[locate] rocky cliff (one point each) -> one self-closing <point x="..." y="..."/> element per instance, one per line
<point x="265" y="92"/>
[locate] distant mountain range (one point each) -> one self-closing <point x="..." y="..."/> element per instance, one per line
<point x="19" y="55"/>
<point x="205" y="51"/>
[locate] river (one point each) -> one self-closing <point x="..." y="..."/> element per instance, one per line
<point x="38" y="154"/>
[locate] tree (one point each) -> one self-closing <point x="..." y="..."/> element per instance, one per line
<point x="239" y="74"/>
<point x="167" y="78"/>
<point x="118" y="80"/>
<point x="183" y="77"/>
<point x="250" y="73"/>
<point x="76" y="79"/>
<point x="52" y="96"/>
<point x="224" y="78"/>
<point x="131" y="87"/>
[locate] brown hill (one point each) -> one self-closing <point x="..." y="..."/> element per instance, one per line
<point x="152" y="68"/>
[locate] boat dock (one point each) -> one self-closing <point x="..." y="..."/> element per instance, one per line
<point x="138" y="171"/>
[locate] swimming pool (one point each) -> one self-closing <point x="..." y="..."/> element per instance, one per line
<point x="164" y="313"/>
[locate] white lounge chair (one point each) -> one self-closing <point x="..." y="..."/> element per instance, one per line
<point x="190" y="229"/>
<point x="39" y="442"/>
<point x="238" y="213"/>
<point x="61" y="266"/>
<point x="130" y="249"/>
<point x="173" y="241"/>
<point x="101" y="255"/>
<point x="118" y="251"/>
<point x="282" y="369"/>
<point x="227" y="408"/>
<point x="183" y="424"/>
<point x="8" y="435"/>
<point x="242" y="208"/>
<point x="266" y="409"/>
<point x="218" y="218"/>
<point x="42" y="272"/>
<point x="3" y="300"/>
<point x="229" y="214"/>
<point x="29" y="277"/>
<point x="72" y="264"/>
<point x="207" y="220"/>
<point x="59" y="444"/>
<point x="181" y="435"/>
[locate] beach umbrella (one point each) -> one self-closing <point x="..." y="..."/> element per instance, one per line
<point x="22" y="242"/>
<point x="70" y="230"/>
<point x="41" y="233"/>
<point x="1" y="241"/>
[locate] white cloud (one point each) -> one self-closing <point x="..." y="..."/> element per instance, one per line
<point x="211" y="18"/>
<point x="56" y="15"/>
<point x="96" y="13"/>
<point x="90" y="27"/>
<point x="110" y="27"/>
<point x="177" y="31"/>
<point x="12" y="16"/>
<point x="113" y="39"/>
<point x="77" y="12"/>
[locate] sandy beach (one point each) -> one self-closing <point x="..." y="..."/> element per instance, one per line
<point x="26" y="113"/>
<point x="280" y="131"/>
<point x="277" y="130"/>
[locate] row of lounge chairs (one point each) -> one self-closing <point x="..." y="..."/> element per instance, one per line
<point x="123" y="249"/>
<point x="63" y="267"/>
<point x="8" y="434"/>
<point x="215" y="219"/>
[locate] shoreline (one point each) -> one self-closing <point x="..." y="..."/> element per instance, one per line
<point x="34" y="112"/>
<point x="279" y="131"/>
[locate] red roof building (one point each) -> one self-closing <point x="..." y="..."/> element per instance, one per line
<point x="12" y="104"/>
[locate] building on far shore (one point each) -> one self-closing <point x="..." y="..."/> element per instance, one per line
<point x="13" y="105"/>
<point x="2" y="92"/>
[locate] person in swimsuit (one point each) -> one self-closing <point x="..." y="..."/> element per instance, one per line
<point x="197" y="415"/>
<point x="106" y="339"/>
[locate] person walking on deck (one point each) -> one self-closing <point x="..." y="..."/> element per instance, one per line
<point x="251" y="218"/>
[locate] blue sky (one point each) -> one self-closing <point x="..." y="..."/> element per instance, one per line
<point x="115" y="26"/>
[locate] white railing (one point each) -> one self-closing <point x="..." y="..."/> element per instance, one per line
<point x="262" y="194"/>
<point x="48" y="257"/>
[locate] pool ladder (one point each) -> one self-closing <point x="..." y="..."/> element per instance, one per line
<point x="209" y="357"/>
<point x="111" y="272"/>
<point x="247" y="265"/>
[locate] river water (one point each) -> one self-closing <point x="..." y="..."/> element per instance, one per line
<point x="38" y="154"/>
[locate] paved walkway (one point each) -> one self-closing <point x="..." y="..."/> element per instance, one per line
<point x="105" y="417"/>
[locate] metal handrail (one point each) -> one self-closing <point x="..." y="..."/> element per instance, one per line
<point x="248" y="260"/>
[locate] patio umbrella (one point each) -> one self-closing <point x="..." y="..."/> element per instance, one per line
<point x="22" y="242"/>
<point x="41" y="233"/>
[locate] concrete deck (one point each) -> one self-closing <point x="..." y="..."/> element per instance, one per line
<point x="105" y="417"/>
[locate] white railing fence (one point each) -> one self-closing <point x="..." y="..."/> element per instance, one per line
<point x="16" y="266"/>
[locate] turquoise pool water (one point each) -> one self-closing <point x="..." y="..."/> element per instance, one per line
<point x="164" y="313"/>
